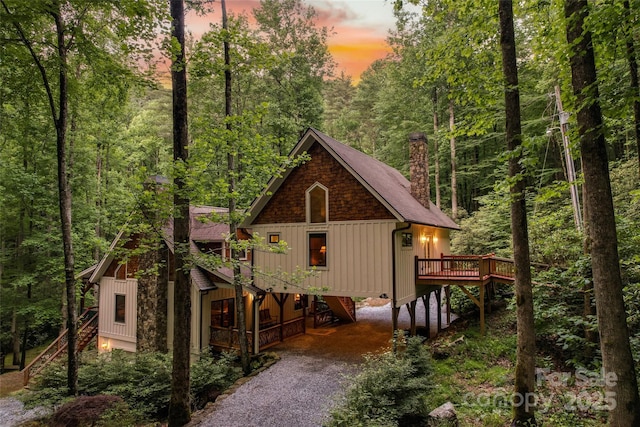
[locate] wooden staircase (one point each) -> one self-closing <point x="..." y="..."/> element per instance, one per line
<point x="87" y="330"/>
<point x="343" y="308"/>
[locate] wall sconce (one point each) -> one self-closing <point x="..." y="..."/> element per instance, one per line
<point x="424" y="239"/>
<point x="105" y="345"/>
<point x="435" y="239"/>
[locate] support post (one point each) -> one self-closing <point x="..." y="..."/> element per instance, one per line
<point x="481" y="306"/>
<point x="426" y="299"/>
<point x="439" y="308"/>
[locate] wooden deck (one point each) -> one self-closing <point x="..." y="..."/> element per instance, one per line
<point x="463" y="271"/>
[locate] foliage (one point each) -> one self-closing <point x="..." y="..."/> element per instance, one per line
<point x="389" y="391"/>
<point x="142" y="380"/>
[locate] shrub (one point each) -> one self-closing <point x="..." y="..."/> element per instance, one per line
<point x="142" y="380"/>
<point x="210" y="376"/>
<point x="390" y="390"/>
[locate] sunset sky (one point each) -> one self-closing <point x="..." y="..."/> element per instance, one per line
<point x="360" y="28"/>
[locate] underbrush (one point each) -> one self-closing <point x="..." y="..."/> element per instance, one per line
<point x="476" y="373"/>
<point x="389" y="391"/>
<point x="142" y="380"/>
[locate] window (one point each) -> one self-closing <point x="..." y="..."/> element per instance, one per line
<point x="273" y="238"/>
<point x="318" y="249"/>
<point x="317" y="204"/>
<point x="298" y="302"/>
<point x="120" y="308"/>
<point x="407" y="240"/>
<point x="121" y="272"/>
<point x="222" y="313"/>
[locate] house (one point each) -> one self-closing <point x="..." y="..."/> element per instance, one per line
<point x="355" y="220"/>
<point x="358" y="223"/>
<point x="136" y="308"/>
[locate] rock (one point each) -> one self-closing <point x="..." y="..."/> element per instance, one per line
<point x="443" y="415"/>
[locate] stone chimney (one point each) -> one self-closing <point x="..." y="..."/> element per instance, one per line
<point x="419" y="167"/>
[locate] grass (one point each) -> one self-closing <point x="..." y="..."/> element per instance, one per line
<point x="476" y="374"/>
<point x="11" y="381"/>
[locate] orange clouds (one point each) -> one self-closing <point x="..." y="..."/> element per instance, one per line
<point x="359" y="29"/>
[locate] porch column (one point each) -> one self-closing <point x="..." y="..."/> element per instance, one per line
<point x="255" y="312"/>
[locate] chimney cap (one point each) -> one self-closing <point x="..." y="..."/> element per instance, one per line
<point x="417" y="136"/>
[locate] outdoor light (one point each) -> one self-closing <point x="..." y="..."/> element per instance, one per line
<point x="424" y="239"/>
<point x="435" y="239"/>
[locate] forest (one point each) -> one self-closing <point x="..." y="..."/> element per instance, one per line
<point x="84" y="97"/>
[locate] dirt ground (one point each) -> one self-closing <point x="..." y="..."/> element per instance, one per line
<point x="10" y="382"/>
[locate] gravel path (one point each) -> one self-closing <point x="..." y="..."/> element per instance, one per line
<point x="296" y="391"/>
<point x="12" y="412"/>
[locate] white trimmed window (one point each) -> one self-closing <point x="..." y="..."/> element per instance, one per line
<point x="317" y="199"/>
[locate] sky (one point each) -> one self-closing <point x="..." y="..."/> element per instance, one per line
<point x="360" y="29"/>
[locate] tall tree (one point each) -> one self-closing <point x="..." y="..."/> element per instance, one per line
<point x="179" y="405"/>
<point x="612" y="323"/>
<point x="233" y="215"/>
<point x="633" y="73"/>
<point x="59" y="109"/>
<point x="523" y="414"/>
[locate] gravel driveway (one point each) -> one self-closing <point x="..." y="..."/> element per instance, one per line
<point x="300" y="389"/>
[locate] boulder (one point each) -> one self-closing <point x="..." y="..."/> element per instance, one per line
<point x="443" y="416"/>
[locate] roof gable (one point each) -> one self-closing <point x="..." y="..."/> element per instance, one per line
<point x="385" y="183"/>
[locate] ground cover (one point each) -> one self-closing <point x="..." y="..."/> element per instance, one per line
<point x="476" y="374"/>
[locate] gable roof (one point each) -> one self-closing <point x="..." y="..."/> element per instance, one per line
<point x="385" y="183"/>
<point x="201" y="231"/>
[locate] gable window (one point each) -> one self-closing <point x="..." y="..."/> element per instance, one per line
<point x="121" y="271"/>
<point x="120" y="308"/>
<point x="318" y="249"/>
<point x="222" y="313"/>
<point x="317" y="197"/>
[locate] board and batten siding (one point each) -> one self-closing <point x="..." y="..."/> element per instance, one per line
<point x="114" y="334"/>
<point x="406" y="280"/>
<point x="358" y="258"/>
<point x="196" y="314"/>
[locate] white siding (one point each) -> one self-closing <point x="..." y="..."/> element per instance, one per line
<point x="358" y="258"/>
<point x="114" y="334"/>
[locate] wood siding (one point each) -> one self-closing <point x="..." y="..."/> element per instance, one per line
<point x="348" y="199"/>
<point x="114" y="334"/>
<point x="195" y="319"/>
<point x="405" y="272"/>
<point x="358" y="258"/>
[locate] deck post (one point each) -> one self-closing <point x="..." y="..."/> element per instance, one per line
<point x="412" y="314"/>
<point x="447" y="293"/>
<point x="439" y="308"/>
<point x="426" y="300"/>
<point x="481" y="309"/>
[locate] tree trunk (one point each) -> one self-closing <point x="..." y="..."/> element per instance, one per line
<point x="617" y="358"/>
<point x="435" y="145"/>
<point x="15" y="338"/>
<point x="64" y="191"/>
<point x="454" y="183"/>
<point x="633" y="71"/>
<point x="233" y="221"/>
<point x="524" y="387"/>
<point x="179" y="405"/>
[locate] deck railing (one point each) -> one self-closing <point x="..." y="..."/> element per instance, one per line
<point x="465" y="267"/>
<point x="87" y="330"/>
<point x="228" y="338"/>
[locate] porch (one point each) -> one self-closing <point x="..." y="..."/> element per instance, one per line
<point x="463" y="271"/>
<point x="227" y="338"/>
